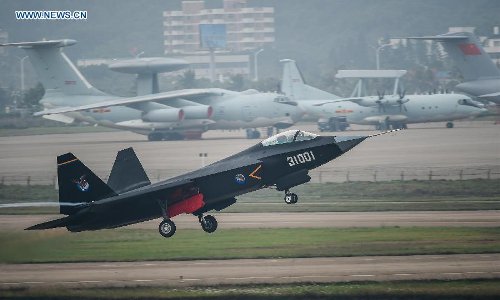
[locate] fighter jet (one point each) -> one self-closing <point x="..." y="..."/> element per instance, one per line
<point x="281" y="162"/>
<point x="481" y="75"/>
<point x="383" y="111"/>
<point x="170" y="115"/>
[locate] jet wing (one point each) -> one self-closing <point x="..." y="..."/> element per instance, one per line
<point x="490" y="96"/>
<point x="190" y="94"/>
<point x="438" y="37"/>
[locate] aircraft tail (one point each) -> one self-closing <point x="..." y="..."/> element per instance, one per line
<point x="78" y="185"/>
<point x="467" y="52"/>
<point x="294" y="86"/>
<point x="127" y="173"/>
<point x="54" y="69"/>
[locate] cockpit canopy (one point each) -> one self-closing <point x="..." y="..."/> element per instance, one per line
<point x="290" y="136"/>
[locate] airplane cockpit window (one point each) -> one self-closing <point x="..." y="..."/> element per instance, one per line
<point x="289" y="136"/>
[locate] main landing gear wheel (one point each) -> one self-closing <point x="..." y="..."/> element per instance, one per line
<point x="449" y="125"/>
<point x="291" y="198"/>
<point x="167" y="228"/>
<point x="208" y="223"/>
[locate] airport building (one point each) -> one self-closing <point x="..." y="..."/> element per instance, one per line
<point x="248" y="29"/>
<point x="492" y="45"/>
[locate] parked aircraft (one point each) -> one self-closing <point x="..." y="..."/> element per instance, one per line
<point x="177" y="114"/>
<point x="481" y="75"/>
<point x="281" y="161"/>
<point x="394" y="111"/>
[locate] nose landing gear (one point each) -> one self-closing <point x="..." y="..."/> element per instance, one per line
<point x="208" y="223"/>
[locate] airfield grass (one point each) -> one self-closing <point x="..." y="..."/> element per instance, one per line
<point x="52" y="130"/>
<point x="428" y="290"/>
<point x="192" y="244"/>
<point x="477" y="194"/>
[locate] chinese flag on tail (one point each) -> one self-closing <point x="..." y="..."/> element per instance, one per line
<point x="470" y="49"/>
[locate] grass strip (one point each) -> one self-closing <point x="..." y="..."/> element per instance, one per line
<point x="456" y="289"/>
<point x="52" y="130"/>
<point x="478" y="194"/>
<point x="190" y="244"/>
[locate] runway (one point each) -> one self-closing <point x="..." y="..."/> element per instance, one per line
<point x="213" y="272"/>
<point x="490" y="218"/>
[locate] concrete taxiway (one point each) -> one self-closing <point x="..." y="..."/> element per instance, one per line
<point x="212" y="272"/>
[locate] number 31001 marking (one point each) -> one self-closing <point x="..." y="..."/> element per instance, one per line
<point x="301" y="158"/>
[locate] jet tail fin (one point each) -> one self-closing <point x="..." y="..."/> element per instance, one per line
<point x="127" y="173"/>
<point x="467" y="52"/>
<point x="78" y="185"/>
<point x="294" y="86"/>
<point x="54" y="69"/>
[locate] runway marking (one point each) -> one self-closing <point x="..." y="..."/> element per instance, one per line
<point x="308" y="276"/>
<point x="143" y="280"/>
<point x="476" y="272"/>
<point x="191" y="279"/>
<point x="252" y="277"/>
<point x="362" y="275"/>
<point x="452" y="273"/>
<point x="89" y="281"/>
<point x="404" y="274"/>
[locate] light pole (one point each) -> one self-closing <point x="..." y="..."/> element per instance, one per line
<point x="21" y="60"/>
<point x="255" y="68"/>
<point x="377" y="54"/>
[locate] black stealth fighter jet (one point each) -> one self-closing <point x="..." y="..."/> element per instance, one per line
<point x="282" y="161"/>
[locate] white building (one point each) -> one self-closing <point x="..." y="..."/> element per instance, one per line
<point x="247" y="30"/>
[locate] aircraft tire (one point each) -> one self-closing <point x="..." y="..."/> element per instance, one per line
<point x="291" y="198"/>
<point x="167" y="228"/>
<point x="449" y="125"/>
<point x="209" y="223"/>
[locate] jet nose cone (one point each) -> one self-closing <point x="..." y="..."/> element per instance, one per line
<point x="346" y="143"/>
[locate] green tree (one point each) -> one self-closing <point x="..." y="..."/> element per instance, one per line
<point x="187" y="80"/>
<point x="32" y="96"/>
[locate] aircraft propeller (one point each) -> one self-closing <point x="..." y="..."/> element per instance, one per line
<point x="402" y="101"/>
<point x="380" y="105"/>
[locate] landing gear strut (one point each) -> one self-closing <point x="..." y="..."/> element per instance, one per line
<point x="167" y="228"/>
<point x="208" y="223"/>
<point x="291" y="198"/>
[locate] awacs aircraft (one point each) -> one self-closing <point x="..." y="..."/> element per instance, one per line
<point x="281" y="161"/>
<point x="162" y="116"/>
<point x="481" y="75"/>
<point x="395" y="111"/>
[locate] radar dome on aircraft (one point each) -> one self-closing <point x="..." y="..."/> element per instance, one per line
<point x="147" y="69"/>
<point x="148" y="65"/>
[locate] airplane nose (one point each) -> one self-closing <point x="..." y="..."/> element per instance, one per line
<point x="346" y="143"/>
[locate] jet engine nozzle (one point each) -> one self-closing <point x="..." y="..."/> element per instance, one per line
<point x="164" y="115"/>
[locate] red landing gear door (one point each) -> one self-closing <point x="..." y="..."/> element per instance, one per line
<point x="187" y="206"/>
